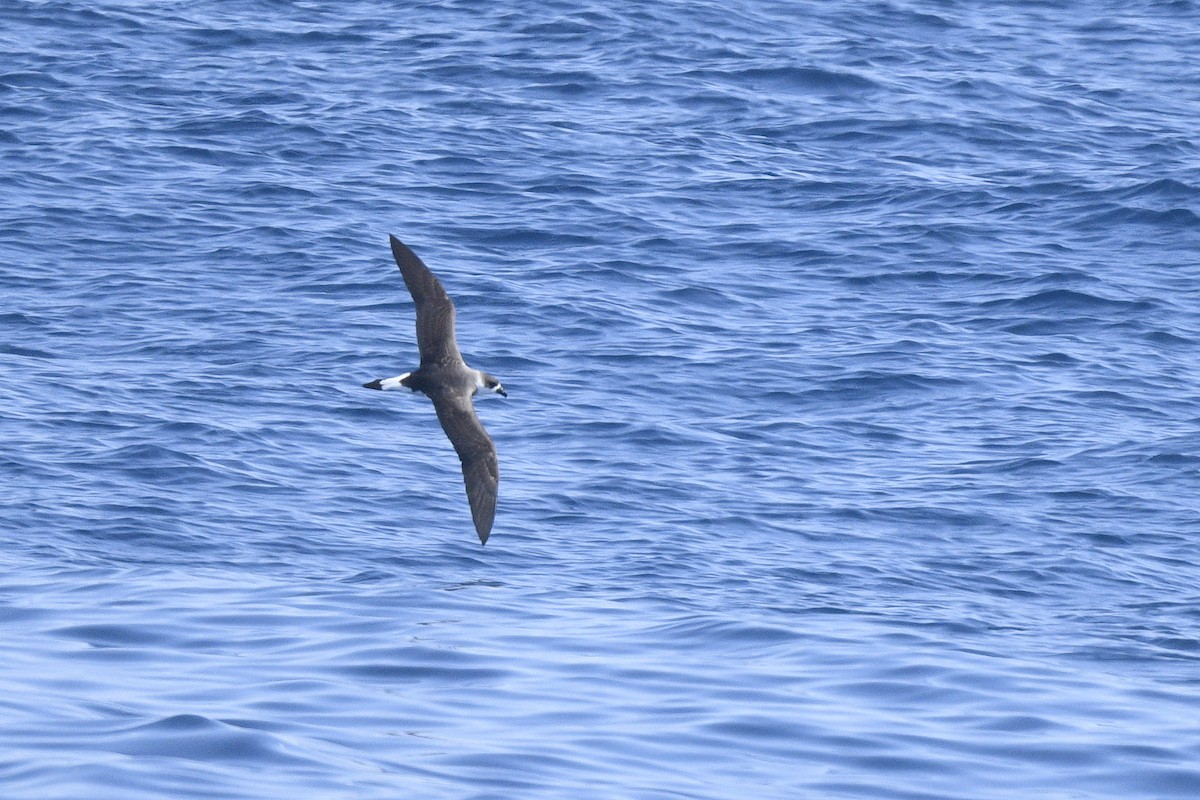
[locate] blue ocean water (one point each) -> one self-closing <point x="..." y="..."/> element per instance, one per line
<point x="852" y="441"/>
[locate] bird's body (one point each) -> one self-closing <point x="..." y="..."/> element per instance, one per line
<point x="445" y="379"/>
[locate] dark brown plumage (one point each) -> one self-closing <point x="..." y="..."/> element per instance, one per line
<point x="435" y="311"/>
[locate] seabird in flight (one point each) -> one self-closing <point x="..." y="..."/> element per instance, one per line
<point x="446" y="380"/>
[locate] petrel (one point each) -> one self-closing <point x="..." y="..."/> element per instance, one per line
<point x="446" y="380"/>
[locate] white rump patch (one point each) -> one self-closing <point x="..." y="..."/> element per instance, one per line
<point x="394" y="383"/>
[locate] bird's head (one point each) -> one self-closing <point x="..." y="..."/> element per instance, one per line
<point x="491" y="384"/>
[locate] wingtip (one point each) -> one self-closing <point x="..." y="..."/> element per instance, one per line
<point x="402" y="253"/>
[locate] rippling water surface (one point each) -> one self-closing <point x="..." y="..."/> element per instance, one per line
<point x="851" y="448"/>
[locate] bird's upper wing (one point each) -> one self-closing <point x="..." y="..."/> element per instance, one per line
<point x="435" y="311"/>
<point x="481" y="472"/>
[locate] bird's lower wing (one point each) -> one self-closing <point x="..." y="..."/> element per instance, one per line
<point x="481" y="471"/>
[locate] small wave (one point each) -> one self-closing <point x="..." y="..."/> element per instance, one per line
<point x="200" y="738"/>
<point x="796" y="79"/>
<point x="1060" y="300"/>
